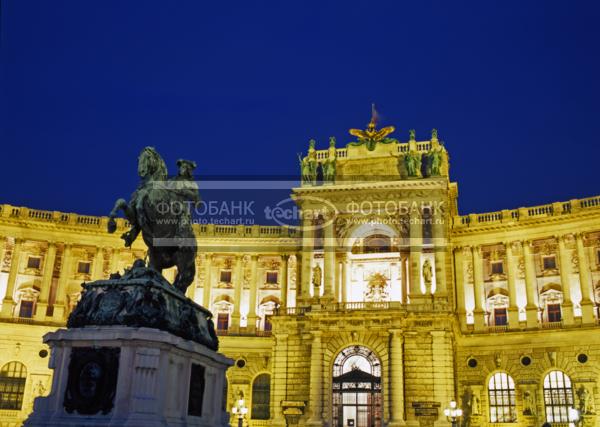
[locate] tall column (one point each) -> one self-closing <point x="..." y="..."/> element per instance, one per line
<point x="511" y="278"/>
<point x="279" y="357"/>
<point x="237" y="294"/>
<point x="8" y="303"/>
<point x="207" y="282"/>
<point x="197" y="292"/>
<point x="345" y="277"/>
<point x="530" y="285"/>
<point x="328" y="260"/>
<point x="478" y="312"/>
<point x="459" y="271"/>
<point x="63" y="280"/>
<point x="308" y="237"/>
<point x="396" y="379"/>
<point x="404" y="279"/>
<point x="42" y="304"/>
<point x="115" y="259"/>
<point x="585" y="281"/>
<point x="98" y="265"/>
<point x="416" y="246"/>
<point x="565" y="281"/>
<point x="284" y="281"/>
<point x="316" y="377"/>
<point x="253" y="290"/>
<point x="298" y="277"/>
<point x="441" y="244"/>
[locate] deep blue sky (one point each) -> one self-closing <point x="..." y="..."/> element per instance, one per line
<point x="512" y="86"/>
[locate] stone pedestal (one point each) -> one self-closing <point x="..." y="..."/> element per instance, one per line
<point x="126" y="376"/>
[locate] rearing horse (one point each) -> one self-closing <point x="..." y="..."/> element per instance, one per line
<point x="160" y="209"/>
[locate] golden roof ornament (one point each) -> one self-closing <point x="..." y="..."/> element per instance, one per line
<point x="371" y="136"/>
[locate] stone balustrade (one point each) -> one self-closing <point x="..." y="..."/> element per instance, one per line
<point x="526" y="213"/>
<point x="100" y="223"/>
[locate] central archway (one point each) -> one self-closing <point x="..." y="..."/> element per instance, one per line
<point x="357" y="388"/>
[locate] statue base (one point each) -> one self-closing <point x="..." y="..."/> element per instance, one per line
<point x="125" y="376"/>
<point x="143" y="298"/>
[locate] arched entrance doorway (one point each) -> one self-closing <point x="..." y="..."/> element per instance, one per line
<point x="356" y="388"/>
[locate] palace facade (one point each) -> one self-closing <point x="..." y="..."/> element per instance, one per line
<point x="380" y="308"/>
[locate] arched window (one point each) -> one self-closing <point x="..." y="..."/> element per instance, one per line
<point x="12" y="385"/>
<point x="261" y="397"/>
<point x="558" y="397"/>
<point x="356" y="386"/>
<point x="501" y="391"/>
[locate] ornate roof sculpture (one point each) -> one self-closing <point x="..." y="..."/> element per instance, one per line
<point x="371" y="136"/>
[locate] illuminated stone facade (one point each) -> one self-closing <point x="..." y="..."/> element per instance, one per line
<point x="383" y="285"/>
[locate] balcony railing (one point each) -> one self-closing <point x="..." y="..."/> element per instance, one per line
<point x="365" y="306"/>
<point x="523" y="214"/>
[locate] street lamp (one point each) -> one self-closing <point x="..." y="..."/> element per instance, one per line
<point x="240" y="410"/>
<point x="453" y="413"/>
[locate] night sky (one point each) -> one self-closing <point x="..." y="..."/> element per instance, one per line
<point x="241" y="87"/>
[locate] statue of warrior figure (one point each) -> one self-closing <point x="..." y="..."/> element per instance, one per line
<point x="317" y="276"/>
<point x="427" y="274"/>
<point x="412" y="161"/>
<point x="160" y="209"/>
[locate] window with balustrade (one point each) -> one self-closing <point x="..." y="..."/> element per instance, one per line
<point x="554" y="313"/>
<point x="13" y="376"/>
<point x="558" y="397"/>
<point x="261" y="397"/>
<point x="502" y="403"/>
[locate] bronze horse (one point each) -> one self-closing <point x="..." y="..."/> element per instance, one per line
<point x="160" y="209"/>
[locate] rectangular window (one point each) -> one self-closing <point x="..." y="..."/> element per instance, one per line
<point x="554" y="314"/>
<point x="497" y="267"/>
<point x="549" y="262"/>
<point x="26" y="309"/>
<point x="598" y="256"/>
<point x="223" y="321"/>
<point x="272" y="277"/>
<point x="225" y="276"/>
<point x="83" y="267"/>
<point x="34" y="262"/>
<point x="500" y="317"/>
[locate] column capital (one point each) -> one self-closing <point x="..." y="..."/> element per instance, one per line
<point x="285" y="257"/>
<point x="396" y="333"/>
<point x="581" y="235"/>
<point x="254" y="257"/>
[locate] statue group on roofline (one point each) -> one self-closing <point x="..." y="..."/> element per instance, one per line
<point x="309" y="165"/>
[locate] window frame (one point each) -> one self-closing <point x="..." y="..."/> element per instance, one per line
<point x="261" y="397"/>
<point x="494" y="263"/>
<point x="553" y="309"/>
<point x="13" y="379"/>
<point x="226" y="271"/>
<point x="502" y="399"/>
<point x="34" y="267"/>
<point x="558" y="397"/>
<point x="86" y="270"/>
<point x="496" y="311"/>
<point x="547" y="257"/>
<point x="271" y="273"/>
